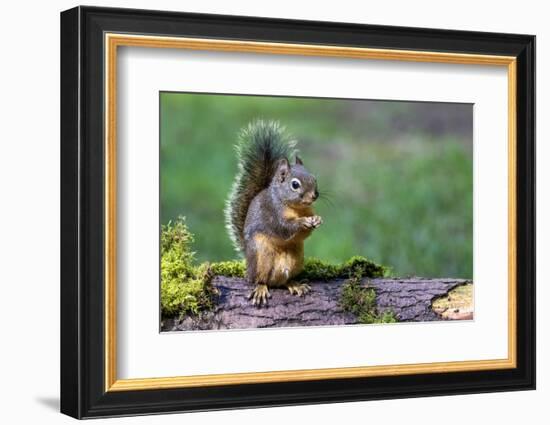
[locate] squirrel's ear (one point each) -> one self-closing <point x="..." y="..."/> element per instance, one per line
<point x="299" y="160"/>
<point x="283" y="168"/>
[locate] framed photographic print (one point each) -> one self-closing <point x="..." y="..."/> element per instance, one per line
<point x="261" y="212"/>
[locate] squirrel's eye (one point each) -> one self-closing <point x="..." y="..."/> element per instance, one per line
<point x="295" y="184"/>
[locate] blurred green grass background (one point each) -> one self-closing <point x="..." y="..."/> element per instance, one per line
<point x="398" y="174"/>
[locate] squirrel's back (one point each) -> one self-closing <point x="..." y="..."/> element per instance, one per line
<point x="261" y="145"/>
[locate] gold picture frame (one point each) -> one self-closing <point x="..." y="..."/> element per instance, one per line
<point x="114" y="41"/>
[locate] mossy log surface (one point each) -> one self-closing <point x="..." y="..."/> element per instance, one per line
<point x="410" y="299"/>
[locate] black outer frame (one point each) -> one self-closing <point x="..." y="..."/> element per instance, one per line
<point x="82" y="212"/>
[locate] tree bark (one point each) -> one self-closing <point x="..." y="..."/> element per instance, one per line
<point x="410" y="300"/>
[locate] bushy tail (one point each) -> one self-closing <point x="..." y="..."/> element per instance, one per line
<point x="261" y="145"/>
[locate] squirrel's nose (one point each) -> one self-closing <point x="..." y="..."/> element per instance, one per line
<point x="315" y="194"/>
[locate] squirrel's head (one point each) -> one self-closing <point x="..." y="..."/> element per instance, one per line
<point x="294" y="184"/>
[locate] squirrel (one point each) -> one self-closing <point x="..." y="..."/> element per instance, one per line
<point x="269" y="210"/>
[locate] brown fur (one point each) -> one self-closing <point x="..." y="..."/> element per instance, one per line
<point x="277" y="260"/>
<point x="293" y="213"/>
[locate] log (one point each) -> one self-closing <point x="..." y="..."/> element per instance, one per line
<point x="410" y="299"/>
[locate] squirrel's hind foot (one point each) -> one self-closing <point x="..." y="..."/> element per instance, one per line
<point x="259" y="295"/>
<point x="299" y="289"/>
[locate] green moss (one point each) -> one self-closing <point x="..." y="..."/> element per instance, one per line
<point x="361" y="302"/>
<point x="315" y="269"/>
<point x="233" y="268"/>
<point x="184" y="288"/>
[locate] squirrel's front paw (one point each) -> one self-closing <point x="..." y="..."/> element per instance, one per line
<point x="312" y="222"/>
<point x="259" y="295"/>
